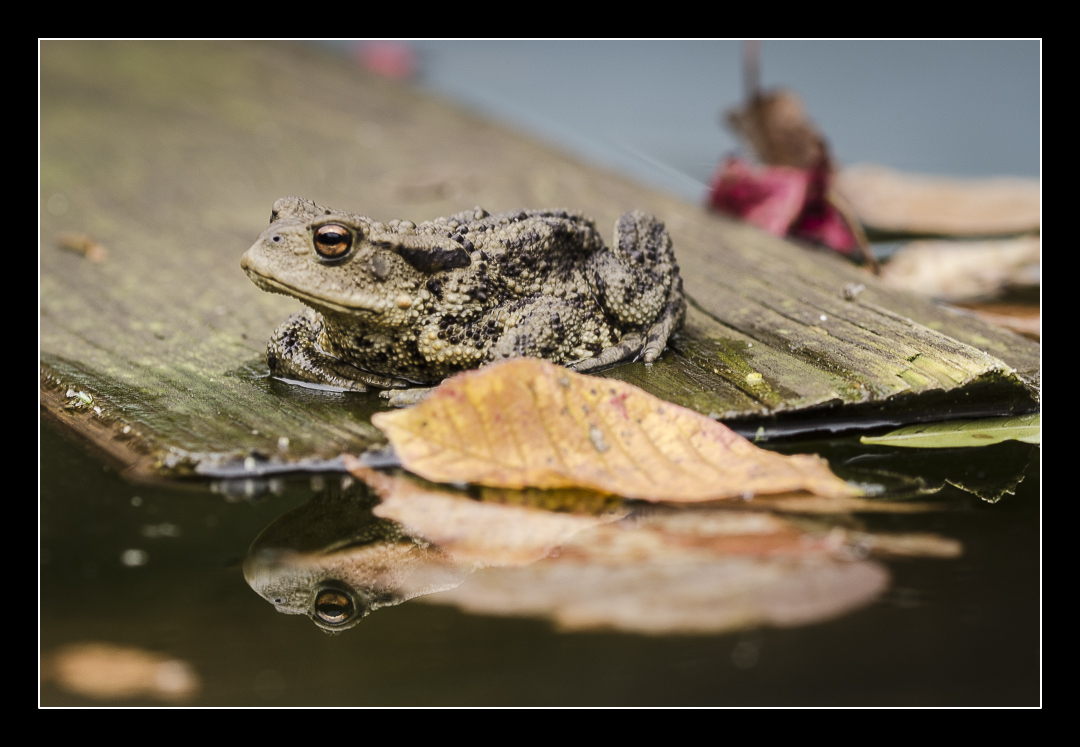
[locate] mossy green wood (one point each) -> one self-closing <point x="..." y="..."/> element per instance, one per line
<point x="170" y="154"/>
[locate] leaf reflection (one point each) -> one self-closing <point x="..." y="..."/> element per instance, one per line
<point x="579" y="558"/>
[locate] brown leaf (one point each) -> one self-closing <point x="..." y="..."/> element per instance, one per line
<point x="794" y="193"/>
<point x="529" y="423"/>
<point x="915" y="545"/>
<point x="891" y="201"/>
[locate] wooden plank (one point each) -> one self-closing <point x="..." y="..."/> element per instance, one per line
<point x="170" y="155"/>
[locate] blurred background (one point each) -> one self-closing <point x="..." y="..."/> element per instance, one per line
<point x="652" y="109"/>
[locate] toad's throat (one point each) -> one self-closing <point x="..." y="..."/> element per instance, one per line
<point x="342" y="304"/>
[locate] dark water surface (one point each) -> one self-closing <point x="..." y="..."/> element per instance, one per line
<point x="964" y="631"/>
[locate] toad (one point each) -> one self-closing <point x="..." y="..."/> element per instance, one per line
<point x="398" y="305"/>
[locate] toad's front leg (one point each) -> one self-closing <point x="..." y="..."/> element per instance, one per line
<point x="293" y="353"/>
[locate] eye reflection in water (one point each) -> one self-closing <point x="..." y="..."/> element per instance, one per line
<point x="334" y="606"/>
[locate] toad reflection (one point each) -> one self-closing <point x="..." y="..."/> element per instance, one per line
<point x="582" y="560"/>
<point x="335" y="561"/>
<point x="344" y="553"/>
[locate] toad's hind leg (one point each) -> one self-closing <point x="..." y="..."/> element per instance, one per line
<point x="638" y="284"/>
<point x="293" y="353"/>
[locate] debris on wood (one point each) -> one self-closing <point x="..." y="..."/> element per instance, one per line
<point x="82" y="244"/>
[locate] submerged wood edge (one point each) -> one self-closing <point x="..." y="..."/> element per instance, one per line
<point x="131" y="455"/>
<point x="142" y="457"/>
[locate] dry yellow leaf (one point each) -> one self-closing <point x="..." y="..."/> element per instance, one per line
<point x="528" y="423"/>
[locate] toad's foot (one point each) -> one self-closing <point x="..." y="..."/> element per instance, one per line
<point x="628" y="347"/>
<point x="671" y="318"/>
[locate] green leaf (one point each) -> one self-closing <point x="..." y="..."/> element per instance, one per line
<point x="957" y="433"/>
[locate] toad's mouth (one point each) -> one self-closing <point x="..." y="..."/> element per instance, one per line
<point x="340" y="302"/>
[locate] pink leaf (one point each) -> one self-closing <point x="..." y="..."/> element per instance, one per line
<point x="390" y="59"/>
<point x="783" y="200"/>
<point x="770" y="198"/>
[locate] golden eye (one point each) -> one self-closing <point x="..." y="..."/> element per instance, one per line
<point x="333" y="606"/>
<point x="333" y="241"/>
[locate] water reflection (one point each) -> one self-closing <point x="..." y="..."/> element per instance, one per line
<point x="335" y="561"/>
<point x="578" y="558"/>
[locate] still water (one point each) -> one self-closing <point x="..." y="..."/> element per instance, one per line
<point x="161" y="570"/>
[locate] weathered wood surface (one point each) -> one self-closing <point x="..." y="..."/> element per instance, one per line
<point x="171" y="154"/>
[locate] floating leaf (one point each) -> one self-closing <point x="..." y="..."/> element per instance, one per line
<point x="529" y="423"/>
<point x="724" y="595"/>
<point x="957" y="433"/>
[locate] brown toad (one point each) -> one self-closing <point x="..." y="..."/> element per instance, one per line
<point x="396" y="305"/>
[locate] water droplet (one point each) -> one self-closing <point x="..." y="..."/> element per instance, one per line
<point x="134" y="557"/>
<point x="744" y="655"/>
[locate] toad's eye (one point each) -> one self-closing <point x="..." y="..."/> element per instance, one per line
<point x="333" y="607"/>
<point x="333" y="241"/>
